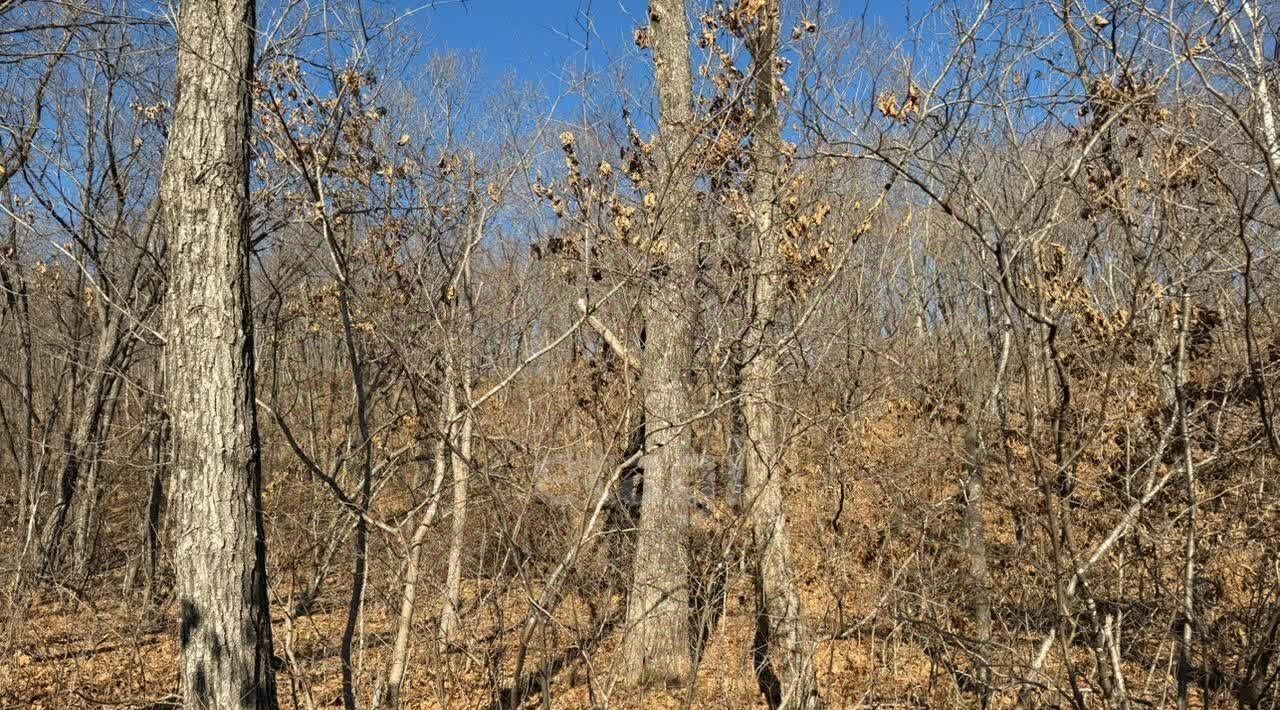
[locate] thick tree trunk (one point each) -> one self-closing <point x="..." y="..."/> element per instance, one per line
<point x="787" y="676"/>
<point x="657" y="647"/>
<point x="220" y="547"/>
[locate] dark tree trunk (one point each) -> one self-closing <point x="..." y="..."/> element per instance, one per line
<point x="153" y="522"/>
<point x="82" y="440"/>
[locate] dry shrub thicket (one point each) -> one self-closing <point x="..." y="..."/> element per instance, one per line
<point x="1011" y="272"/>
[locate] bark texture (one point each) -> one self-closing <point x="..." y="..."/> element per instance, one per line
<point x="220" y="550"/>
<point x="460" y="467"/>
<point x="784" y="651"/>
<point x="658" y="644"/>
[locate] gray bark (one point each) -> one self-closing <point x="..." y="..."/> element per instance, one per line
<point x="459" y="467"/>
<point x="399" y="663"/>
<point x="17" y="301"/>
<point x="784" y="653"/>
<point x="84" y="536"/>
<point x="220" y="547"/>
<point x="84" y="439"/>
<point x="657" y="647"/>
<point x="458" y="357"/>
<point x="142" y="570"/>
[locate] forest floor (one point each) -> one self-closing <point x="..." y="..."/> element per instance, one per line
<point x="109" y="653"/>
<point x="872" y="604"/>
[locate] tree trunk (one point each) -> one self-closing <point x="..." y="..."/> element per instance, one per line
<point x="657" y="647"/>
<point x="1185" y="649"/>
<point x="141" y="571"/>
<point x="220" y="546"/>
<point x="975" y="531"/>
<point x="399" y="663"/>
<point x="975" y="466"/>
<point x="459" y="465"/>
<point x="14" y="283"/>
<point x="85" y="522"/>
<point x="785" y="663"/>
<point x="155" y="507"/>
<point x="82" y="441"/>
<point x="360" y="391"/>
<point x="734" y="472"/>
<point x="86" y="519"/>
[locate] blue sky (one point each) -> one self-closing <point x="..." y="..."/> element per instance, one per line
<point x="538" y="39"/>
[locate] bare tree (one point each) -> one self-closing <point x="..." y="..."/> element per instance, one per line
<point x="866" y="370"/>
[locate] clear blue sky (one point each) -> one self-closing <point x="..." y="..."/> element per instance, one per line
<point x="538" y="39"/>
